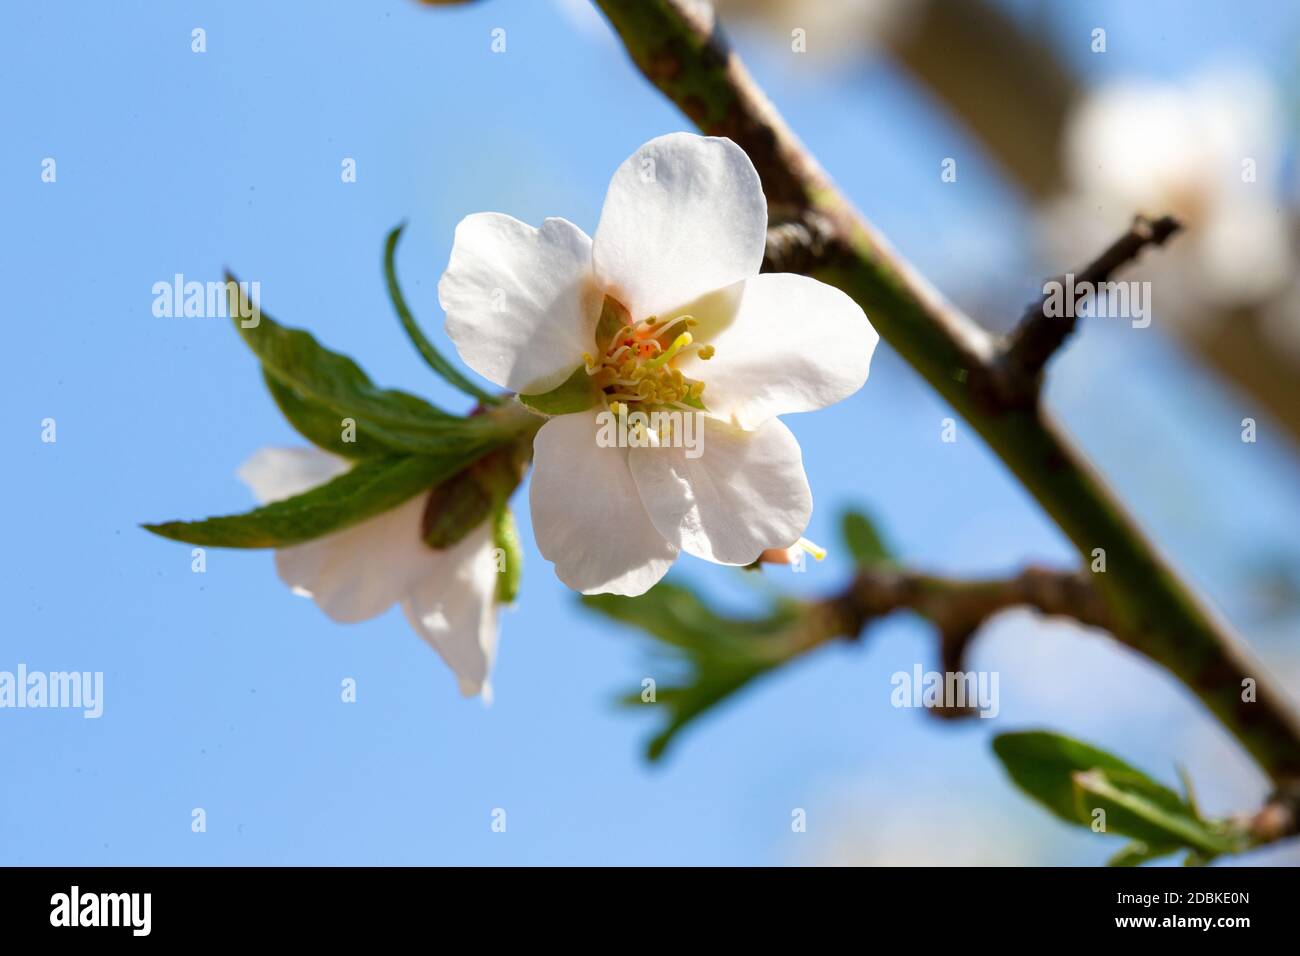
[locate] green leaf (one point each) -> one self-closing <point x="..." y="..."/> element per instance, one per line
<point x="863" y="540"/>
<point x="334" y="383"/>
<point x="1138" y="807"/>
<point x="1073" y="780"/>
<point x="1042" y="764"/>
<point x="432" y="357"/>
<point x="506" y="537"/>
<point x="678" y="616"/>
<point x="719" y="655"/>
<point x="369" y="488"/>
<point x="1189" y="792"/>
<point x="576" y="394"/>
<point x="320" y="425"/>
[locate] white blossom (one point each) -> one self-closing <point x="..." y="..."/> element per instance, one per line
<point x="676" y="256"/>
<point x="1206" y="151"/>
<point x="355" y="574"/>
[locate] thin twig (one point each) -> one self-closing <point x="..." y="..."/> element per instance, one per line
<point x="1040" y="334"/>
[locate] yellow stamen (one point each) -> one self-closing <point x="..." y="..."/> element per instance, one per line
<point x="633" y="371"/>
<point x="817" y="551"/>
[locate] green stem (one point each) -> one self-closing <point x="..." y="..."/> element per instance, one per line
<point x="428" y="351"/>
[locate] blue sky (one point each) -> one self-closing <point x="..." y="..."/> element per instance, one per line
<point x="222" y="689"/>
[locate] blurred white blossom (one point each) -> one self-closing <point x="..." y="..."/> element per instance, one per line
<point x="1206" y="151"/>
<point x="833" y="32"/>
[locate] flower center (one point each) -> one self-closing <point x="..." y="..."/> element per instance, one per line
<point x="636" y="367"/>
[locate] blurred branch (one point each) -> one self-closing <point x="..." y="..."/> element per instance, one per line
<point x="958" y="608"/>
<point x="975" y="59"/>
<point x="718" y="655"/>
<point x="1008" y="86"/>
<point x="681" y="52"/>
<point x="722" y="654"/>
<point x="1039" y="335"/>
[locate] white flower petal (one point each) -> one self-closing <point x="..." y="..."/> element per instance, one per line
<point x="361" y="571"/>
<point x="793" y="345"/>
<point x="521" y="304"/>
<point x="453" y="607"/>
<point x="587" y="514"/>
<point x="746" y="492"/>
<point x="448" y="596"/>
<point x="684" y="215"/>
<point x="277" y="473"/>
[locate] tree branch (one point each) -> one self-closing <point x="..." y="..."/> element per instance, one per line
<point x="1151" y="610"/>
<point x="959" y="608"/>
<point x="957" y="605"/>
<point x="1039" y="335"/>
